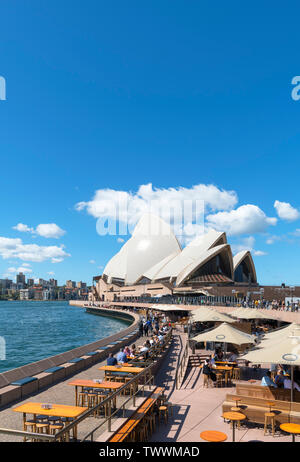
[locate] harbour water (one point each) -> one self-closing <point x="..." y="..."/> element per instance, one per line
<point x="37" y="330"/>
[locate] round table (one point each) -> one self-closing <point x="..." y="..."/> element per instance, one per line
<point x="292" y="428"/>
<point x="234" y="417"/>
<point x="213" y="436"/>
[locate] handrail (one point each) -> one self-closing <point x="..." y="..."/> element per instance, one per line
<point x="41" y="436"/>
<point x="91" y="433"/>
<point x="109" y="399"/>
<point x="180" y="370"/>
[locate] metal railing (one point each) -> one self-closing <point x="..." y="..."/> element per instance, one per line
<point x="132" y="385"/>
<point x="181" y="366"/>
<point x="64" y="433"/>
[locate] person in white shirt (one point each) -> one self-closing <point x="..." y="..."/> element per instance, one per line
<point x="288" y="384"/>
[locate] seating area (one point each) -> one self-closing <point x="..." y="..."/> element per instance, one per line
<point x="19" y="383"/>
<point x="142" y="423"/>
<point x="266" y="406"/>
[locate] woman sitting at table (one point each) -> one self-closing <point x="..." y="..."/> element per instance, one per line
<point x="127" y="351"/>
<point x="133" y="350"/>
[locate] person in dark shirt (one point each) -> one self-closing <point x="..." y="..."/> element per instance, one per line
<point x="111" y="360"/>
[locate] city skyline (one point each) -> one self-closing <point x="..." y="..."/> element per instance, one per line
<point x="202" y="109"/>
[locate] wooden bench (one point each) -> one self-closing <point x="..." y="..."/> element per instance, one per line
<point x="255" y="408"/>
<point x="129" y="426"/>
<point x="270" y="393"/>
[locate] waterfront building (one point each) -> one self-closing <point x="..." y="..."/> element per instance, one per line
<point x="71" y="284"/>
<point x="153" y="263"/>
<point x="26" y="294"/>
<point x="20" y="280"/>
<point x="30" y="282"/>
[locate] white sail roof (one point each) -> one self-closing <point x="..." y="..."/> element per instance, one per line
<point x="190" y="254"/>
<point x="152" y="241"/>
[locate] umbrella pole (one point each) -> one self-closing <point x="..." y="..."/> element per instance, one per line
<point x="292" y="383"/>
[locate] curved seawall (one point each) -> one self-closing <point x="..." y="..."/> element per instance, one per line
<point x="69" y="362"/>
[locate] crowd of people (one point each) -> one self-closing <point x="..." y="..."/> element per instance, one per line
<point x="280" y="305"/>
<point x="279" y="376"/>
<point x="151" y="326"/>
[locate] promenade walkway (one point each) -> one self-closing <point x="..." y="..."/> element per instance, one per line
<point x="59" y="393"/>
<point x="196" y="409"/>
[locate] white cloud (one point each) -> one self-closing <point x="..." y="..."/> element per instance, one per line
<point x="14" y="248"/>
<point x="285" y="211"/>
<point x="246" y="219"/>
<point x="51" y="273"/>
<point x="23" y="228"/>
<point x="259" y="253"/>
<point x="247" y="243"/>
<point x="120" y="239"/>
<point x="21" y="269"/>
<point x="48" y="230"/>
<point x="128" y="207"/>
<point x="92" y="262"/>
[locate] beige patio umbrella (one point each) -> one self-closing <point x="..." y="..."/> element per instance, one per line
<point x="225" y="333"/>
<point x="250" y="313"/>
<point x="283" y="331"/>
<point x="286" y="350"/>
<point x="209" y="315"/>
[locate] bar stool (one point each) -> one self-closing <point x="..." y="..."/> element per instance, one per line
<point x="206" y="380"/>
<point x="30" y="426"/>
<point x="163" y="412"/>
<point x="219" y="381"/>
<point x="170" y="407"/>
<point x="269" y="419"/>
<point x="142" y="432"/>
<point x="55" y="428"/>
<point x="66" y="421"/>
<point x="236" y="373"/>
<point x="42" y="427"/>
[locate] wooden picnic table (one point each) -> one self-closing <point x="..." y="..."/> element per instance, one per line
<point x="57" y="410"/>
<point x="111" y="386"/>
<point x="129" y="370"/>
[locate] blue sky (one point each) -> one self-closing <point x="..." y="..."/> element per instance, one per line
<point x="115" y="95"/>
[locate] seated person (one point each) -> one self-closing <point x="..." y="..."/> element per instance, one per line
<point x="127" y="351"/>
<point x="121" y="357"/>
<point x="232" y="357"/>
<point x="133" y="350"/>
<point x="288" y="384"/>
<point x="279" y="378"/>
<point x="144" y="351"/>
<point x="266" y="381"/>
<point x="111" y="360"/>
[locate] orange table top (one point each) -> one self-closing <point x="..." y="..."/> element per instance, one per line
<point x="57" y="410"/>
<point x="133" y="370"/>
<point x="218" y="368"/>
<point x="290" y="428"/>
<point x="213" y="436"/>
<point x="91" y="383"/>
<point x="234" y="416"/>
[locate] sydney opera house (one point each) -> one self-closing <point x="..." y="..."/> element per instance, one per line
<point x="153" y="263"/>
